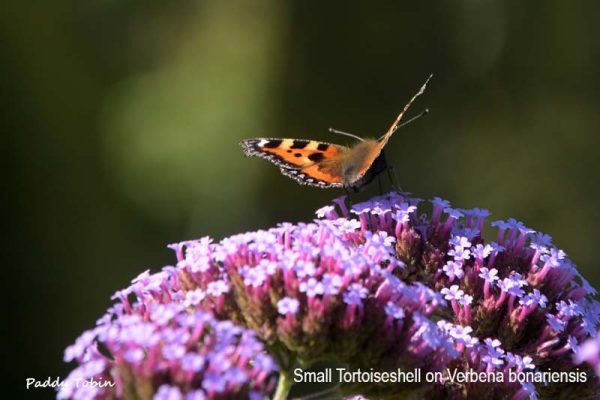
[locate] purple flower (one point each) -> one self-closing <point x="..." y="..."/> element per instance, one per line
<point x="453" y="269"/>
<point x="196" y="395"/>
<point x="540" y="241"/>
<point x="494" y="356"/>
<point x="356" y="292"/>
<point x="460" y="242"/>
<point x="288" y="305"/>
<point x="394" y="311"/>
<point x="556" y="324"/>
<point x="589" y="352"/>
<point x="459" y="254"/>
<point x="312" y="287"/>
<point x="568" y="309"/>
<point x="217" y="288"/>
<point x="453" y="213"/>
<point x="194" y="297"/>
<point x="481" y="252"/>
<point x="403" y="212"/>
<point x="453" y="293"/>
<point x="489" y="275"/>
<point x="192" y="362"/>
<point x="440" y="203"/>
<point x="468" y="233"/>
<point x="375" y="285"/>
<point x="214" y="382"/>
<point x="512" y="285"/>
<point x="326" y="211"/>
<point x="168" y="392"/>
<point x="347" y="225"/>
<point x="534" y="298"/>
<point x="254" y="277"/>
<point x="172" y="351"/>
<point x="304" y="269"/>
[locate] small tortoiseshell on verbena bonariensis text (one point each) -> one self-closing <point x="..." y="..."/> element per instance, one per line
<point x="326" y="165"/>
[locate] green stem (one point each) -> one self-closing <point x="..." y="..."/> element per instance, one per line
<point x="283" y="386"/>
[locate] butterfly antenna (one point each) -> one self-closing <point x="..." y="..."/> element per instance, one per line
<point x="396" y="123"/>
<point x="346" y="134"/>
<point x="423" y="113"/>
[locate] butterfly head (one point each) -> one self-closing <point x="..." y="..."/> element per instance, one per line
<point x="364" y="162"/>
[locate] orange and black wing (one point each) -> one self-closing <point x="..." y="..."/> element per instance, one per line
<point x="301" y="160"/>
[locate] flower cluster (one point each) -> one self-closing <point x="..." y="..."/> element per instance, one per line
<point x="158" y="348"/>
<point x="368" y="286"/>
<point x="516" y="304"/>
<point x="323" y="290"/>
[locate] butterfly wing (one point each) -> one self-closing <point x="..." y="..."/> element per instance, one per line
<point x="376" y="151"/>
<point x="302" y="160"/>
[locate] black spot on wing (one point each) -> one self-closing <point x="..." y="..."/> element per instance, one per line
<point x="299" y="144"/>
<point x="273" y="143"/>
<point x="322" y="146"/>
<point x="316" y="157"/>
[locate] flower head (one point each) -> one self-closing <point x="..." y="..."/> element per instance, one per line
<point x="369" y="286"/>
<point x="171" y="350"/>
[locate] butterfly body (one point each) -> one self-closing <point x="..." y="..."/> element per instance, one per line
<point x="360" y="164"/>
<point x="355" y="171"/>
<point x="327" y="165"/>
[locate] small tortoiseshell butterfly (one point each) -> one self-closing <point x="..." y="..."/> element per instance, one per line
<point x="326" y="165"/>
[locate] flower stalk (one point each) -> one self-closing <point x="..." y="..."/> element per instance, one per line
<point x="284" y="385"/>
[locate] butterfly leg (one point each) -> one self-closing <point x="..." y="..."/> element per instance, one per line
<point x="379" y="184"/>
<point x="393" y="178"/>
<point x="347" y="192"/>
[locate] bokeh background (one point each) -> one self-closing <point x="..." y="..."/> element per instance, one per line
<point x="120" y="125"/>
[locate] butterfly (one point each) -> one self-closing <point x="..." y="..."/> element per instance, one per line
<point x="327" y="165"/>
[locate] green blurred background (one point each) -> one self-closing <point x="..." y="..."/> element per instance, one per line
<point x="121" y="122"/>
